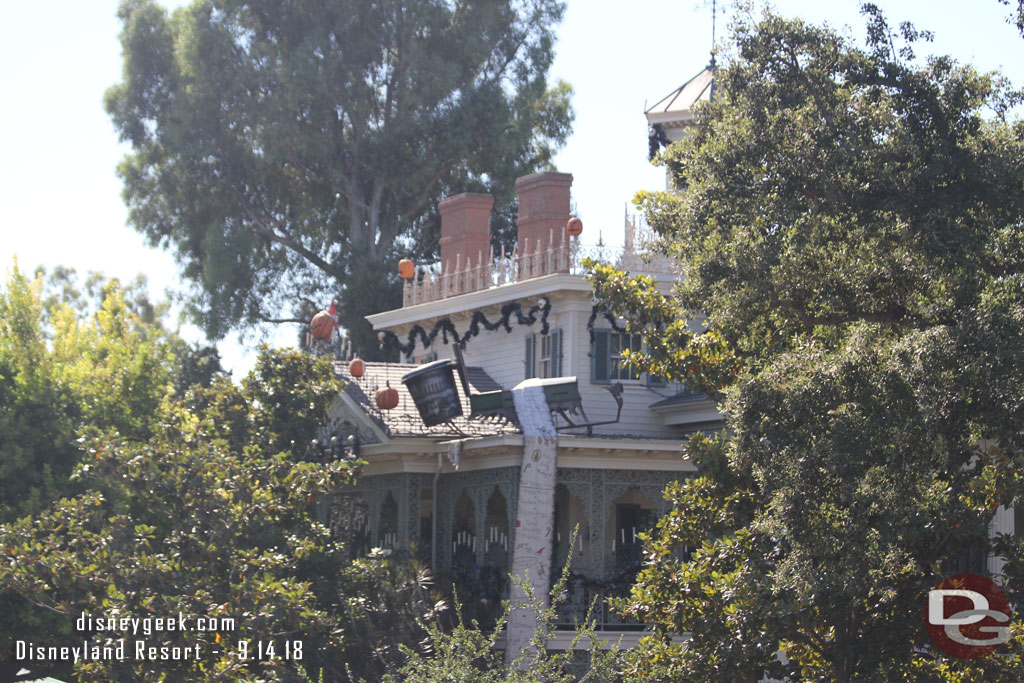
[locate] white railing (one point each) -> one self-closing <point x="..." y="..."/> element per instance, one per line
<point x="533" y="260"/>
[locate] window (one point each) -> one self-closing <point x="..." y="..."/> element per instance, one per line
<point x="617" y="368"/>
<point x="543" y="357"/>
<point x="607" y="361"/>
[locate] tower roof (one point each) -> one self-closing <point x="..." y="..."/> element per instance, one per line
<point x="676" y="108"/>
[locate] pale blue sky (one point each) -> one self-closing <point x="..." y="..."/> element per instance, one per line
<point x="61" y="199"/>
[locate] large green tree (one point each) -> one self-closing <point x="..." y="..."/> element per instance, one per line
<point x="851" y="220"/>
<point x="101" y="358"/>
<point x="73" y="358"/>
<point x="215" y="514"/>
<point x="196" y="522"/>
<point x="287" y="152"/>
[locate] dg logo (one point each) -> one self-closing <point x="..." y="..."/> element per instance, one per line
<point x="968" y="616"/>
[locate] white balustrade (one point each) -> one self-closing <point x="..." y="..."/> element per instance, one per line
<point x="432" y="283"/>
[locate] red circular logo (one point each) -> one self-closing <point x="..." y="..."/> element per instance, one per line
<point x="968" y="616"/>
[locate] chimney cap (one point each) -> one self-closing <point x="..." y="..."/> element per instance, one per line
<point x="469" y="199"/>
<point x="543" y="178"/>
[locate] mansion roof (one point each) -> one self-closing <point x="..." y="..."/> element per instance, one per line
<point x="677" y="106"/>
<point x="404" y="419"/>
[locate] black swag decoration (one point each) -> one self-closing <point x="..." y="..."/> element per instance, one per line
<point x="612" y="320"/>
<point x="445" y="327"/>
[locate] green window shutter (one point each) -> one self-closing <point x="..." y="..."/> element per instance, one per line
<point x="600" y="357"/>
<point x="528" y="364"/>
<point x="556" y="353"/>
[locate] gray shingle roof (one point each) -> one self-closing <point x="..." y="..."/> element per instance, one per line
<point x="684" y="396"/>
<point x="404" y="420"/>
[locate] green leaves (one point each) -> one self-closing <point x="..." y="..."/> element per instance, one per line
<point x="192" y="522"/>
<point x="288" y="153"/>
<point x="849" y="222"/>
<point x="704" y="360"/>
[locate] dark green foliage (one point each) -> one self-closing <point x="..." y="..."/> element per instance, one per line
<point x="851" y="221"/>
<point x="295" y="151"/>
<point x="197" y="366"/>
<point x="70" y="359"/>
<point x="292" y="392"/>
<point x="387" y="607"/>
<point x="190" y="521"/>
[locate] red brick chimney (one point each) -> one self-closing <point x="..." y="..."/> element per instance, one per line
<point x="465" y="229"/>
<point x="543" y="210"/>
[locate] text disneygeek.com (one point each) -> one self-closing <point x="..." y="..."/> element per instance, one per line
<point x="115" y="648"/>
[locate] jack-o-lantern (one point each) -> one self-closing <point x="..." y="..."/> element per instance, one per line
<point x="574" y="227"/>
<point x="325" y="323"/>
<point x="387" y="398"/>
<point x="406" y="269"/>
<point x="356" y="367"/>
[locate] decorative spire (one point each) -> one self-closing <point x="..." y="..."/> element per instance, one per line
<point x="714" y="16"/>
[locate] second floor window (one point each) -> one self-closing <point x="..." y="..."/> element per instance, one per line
<point x="608" y="362"/>
<point x="617" y="368"/>
<point x="544" y="354"/>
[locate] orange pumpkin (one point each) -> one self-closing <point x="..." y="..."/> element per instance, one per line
<point x="387" y="398"/>
<point x="574" y="226"/>
<point x="323" y="325"/>
<point x="406" y="269"/>
<point x="356" y="366"/>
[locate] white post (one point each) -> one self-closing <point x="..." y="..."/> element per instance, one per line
<point x="489" y="273"/>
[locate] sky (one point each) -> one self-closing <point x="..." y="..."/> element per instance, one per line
<point x="62" y="199"/>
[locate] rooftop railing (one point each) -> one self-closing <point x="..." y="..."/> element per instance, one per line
<point x="527" y="261"/>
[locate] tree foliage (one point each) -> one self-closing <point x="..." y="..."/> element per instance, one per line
<point x="201" y="521"/>
<point x="70" y="357"/>
<point x="1018" y="17"/>
<point x="468" y="652"/>
<point x="38" y="415"/>
<point x="288" y="152"/>
<point x="851" y="220"/>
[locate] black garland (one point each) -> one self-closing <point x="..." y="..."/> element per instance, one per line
<point x="444" y="327"/>
<point x="598" y="308"/>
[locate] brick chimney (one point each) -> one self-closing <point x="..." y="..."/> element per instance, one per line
<point x="465" y="229"/>
<point x="543" y="210"/>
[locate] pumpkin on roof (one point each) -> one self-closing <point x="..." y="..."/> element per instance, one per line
<point x="325" y="323"/>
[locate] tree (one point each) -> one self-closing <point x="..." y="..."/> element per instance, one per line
<point x="71" y="360"/>
<point x="1018" y="19"/>
<point x="65" y="362"/>
<point x="851" y="222"/>
<point x="38" y="415"/>
<point x="288" y="153"/>
<point x="195" y="523"/>
<point x="468" y="652"/>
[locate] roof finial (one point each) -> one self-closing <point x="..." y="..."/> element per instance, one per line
<point x="714" y="16"/>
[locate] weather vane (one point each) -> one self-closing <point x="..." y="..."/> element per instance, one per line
<point x="714" y="22"/>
